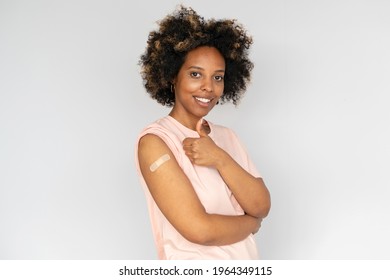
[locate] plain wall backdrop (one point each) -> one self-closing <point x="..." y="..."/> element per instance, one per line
<point x="315" y="120"/>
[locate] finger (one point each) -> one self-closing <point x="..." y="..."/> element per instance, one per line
<point x="188" y="149"/>
<point x="188" y="154"/>
<point x="188" y="141"/>
<point x="200" y="129"/>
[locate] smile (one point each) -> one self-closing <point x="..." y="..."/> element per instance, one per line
<point x="203" y="100"/>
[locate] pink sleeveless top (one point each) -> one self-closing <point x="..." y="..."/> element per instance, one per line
<point x="212" y="191"/>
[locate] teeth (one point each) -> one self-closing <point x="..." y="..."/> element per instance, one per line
<point x="204" y="100"/>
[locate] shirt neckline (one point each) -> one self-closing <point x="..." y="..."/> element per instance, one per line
<point x="191" y="132"/>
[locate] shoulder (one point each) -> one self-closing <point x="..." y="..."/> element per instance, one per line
<point x="160" y="126"/>
<point x="157" y="137"/>
<point x="148" y="139"/>
<point x="152" y="136"/>
<point x="152" y="132"/>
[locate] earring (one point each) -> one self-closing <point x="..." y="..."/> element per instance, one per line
<point x="172" y="88"/>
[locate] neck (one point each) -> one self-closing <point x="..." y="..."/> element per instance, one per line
<point x="191" y="124"/>
<point x="187" y="121"/>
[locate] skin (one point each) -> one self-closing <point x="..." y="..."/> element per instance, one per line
<point x="201" y="76"/>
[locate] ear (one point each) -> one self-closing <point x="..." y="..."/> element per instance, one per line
<point x="172" y="86"/>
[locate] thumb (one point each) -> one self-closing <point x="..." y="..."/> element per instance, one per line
<point x="200" y="129"/>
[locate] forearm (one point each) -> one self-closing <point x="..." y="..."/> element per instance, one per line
<point x="219" y="230"/>
<point x="250" y="192"/>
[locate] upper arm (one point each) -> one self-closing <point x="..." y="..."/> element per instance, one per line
<point x="170" y="188"/>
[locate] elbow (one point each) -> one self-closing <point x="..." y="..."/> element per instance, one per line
<point x="263" y="210"/>
<point x="260" y="208"/>
<point x="200" y="238"/>
<point x="261" y="204"/>
<point x="200" y="232"/>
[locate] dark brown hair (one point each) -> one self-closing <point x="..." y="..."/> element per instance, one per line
<point x="183" y="31"/>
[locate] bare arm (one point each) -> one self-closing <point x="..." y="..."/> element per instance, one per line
<point x="173" y="193"/>
<point x="250" y="192"/>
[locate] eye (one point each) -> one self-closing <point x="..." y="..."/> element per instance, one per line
<point x="195" y="74"/>
<point x="219" y="78"/>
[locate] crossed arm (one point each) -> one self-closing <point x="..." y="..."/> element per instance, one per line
<point x="173" y="193"/>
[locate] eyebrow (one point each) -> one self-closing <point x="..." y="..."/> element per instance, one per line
<point x="200" y="68"/>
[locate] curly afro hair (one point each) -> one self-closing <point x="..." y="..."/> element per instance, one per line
<point x="183" y="31"/>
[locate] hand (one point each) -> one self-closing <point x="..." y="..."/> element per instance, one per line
<point x="202" y="151"/>
<point x="259" y="220"/>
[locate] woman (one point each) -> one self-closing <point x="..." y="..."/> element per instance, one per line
<point x="205" y="197"/>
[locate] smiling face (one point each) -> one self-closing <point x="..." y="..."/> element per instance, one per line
<point x="198" y="85"/>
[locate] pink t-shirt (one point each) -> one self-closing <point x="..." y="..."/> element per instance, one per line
<point x="212" y="191"/>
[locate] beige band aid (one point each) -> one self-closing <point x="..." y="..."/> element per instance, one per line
<point x="159" y="162"/>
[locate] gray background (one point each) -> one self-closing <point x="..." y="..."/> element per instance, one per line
<point x="315" y="120"/>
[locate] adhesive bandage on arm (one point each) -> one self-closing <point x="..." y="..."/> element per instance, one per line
<point x="160" y="161"/>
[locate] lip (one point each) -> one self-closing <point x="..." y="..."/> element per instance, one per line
<point x="203" y="104"/>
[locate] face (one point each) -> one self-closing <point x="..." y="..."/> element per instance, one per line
<point x="199" y="84"/>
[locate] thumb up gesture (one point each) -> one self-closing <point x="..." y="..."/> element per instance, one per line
<point x="202" y="150"/>
<point x="201" y="128"/>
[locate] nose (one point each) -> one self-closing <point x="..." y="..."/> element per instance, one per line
<point x="207" y="85"/>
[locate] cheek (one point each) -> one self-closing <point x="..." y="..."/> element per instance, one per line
<point x="220" y="90"/>
<point x="191" y="86"/>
